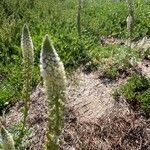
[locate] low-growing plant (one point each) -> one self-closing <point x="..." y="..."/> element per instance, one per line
<point x="146" y="54"/>
<point x="111" y="73"/>
<point x="10" y="85"/>
<point x="144" y="99"/>
<point x="136" y="91"/>
<point x="115" y="60"/>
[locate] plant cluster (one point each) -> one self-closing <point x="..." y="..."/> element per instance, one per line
<point x="116" y="61"/>
<point x="137" y="92"/>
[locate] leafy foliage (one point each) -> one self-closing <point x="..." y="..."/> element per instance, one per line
<point x="136" y="91"/>
<point x="114" y="60"/>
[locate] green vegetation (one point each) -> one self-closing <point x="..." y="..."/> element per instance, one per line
<point x="11" y="82"/>
<point x="136" y="91"/>
<point x="147" y="54"/>
<point x="76" y="28"/>
<point x="58" y="19"/>
<point x="115" y="60"/>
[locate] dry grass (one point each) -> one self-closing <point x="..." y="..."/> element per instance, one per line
<point x="129" y="132"/>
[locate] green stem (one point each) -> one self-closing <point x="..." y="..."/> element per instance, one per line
<point x="79" y="18"/>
